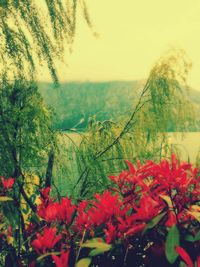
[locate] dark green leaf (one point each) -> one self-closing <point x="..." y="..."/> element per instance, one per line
<point x="197" y="237"/>
<point x="154" y="222"/>
<point x="173" y="240"/>
<point x="98" y="251"/>
<point x="190" y="238"/>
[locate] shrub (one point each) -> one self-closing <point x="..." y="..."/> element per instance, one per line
<point x="150" y="216"/>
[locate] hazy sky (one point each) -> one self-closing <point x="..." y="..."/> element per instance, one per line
<point x="133" y="35"/>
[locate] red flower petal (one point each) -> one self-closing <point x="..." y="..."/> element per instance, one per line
<point x="185" y="256"/>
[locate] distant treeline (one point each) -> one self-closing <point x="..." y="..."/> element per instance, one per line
<point x="75" y="103"/>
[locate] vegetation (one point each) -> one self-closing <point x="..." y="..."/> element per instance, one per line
<point x="150" y="216"/>
<point x="137" y="135"/>
<point x="155" y="204"/>
<point x="25" y="128"/>
<point x="33" y="33"/>
<point x="76" y="103"/>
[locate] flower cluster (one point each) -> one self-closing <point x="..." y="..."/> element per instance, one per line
<point x="154" y="188"/>
<point x="152" y="210"/>
<point x="7" y="183"/>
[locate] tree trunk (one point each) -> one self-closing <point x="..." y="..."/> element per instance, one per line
<point x="49" y="171"/>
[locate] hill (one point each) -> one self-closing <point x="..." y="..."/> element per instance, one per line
<point x="75" y="102"/>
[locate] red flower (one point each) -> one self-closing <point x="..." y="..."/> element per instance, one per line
<point x="49" y="213"/>
<point x="82" y="220"/>
<point x="110" y="232"/>
<point x="184" y="255"/>
<point x="62" y="211"/>
<point x="198" y="261"/>
<point x="135" y="229"/>
<point x="61" y="261"/>
<point x="7" y="183"/>
<point x="46" y="241"/>
<point x="66" y="210"/>
<point x="148" y="208"/>
<point x="128" y="226"/>
<point x="105" y="207"/>
<point x="45" y="192"/>
<point x="171" y="219"/>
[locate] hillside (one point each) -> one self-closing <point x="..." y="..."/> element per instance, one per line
<point x="75" y="102"/>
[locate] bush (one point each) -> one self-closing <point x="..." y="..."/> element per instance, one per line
<point x="149" y="217"/>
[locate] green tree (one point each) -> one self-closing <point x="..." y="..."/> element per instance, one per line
<point x="25" y="127"/>
<point x="163" y="102"/>
<point x="34" y="32"/>
<point x="26" y="139"/>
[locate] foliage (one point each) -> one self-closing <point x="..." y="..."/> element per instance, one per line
<point x="75" y="103"/>
<point x="25" y="128"/>
<point x="150" y="217"/>
<point x="26" y="137"/>
<point x="162" y="104"/>
<point x="34" y="32"/>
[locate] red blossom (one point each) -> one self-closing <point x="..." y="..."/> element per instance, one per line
<point x="7" y="183"/>
<point x="184" y="255"/>
<point x="61" y="261"/>
<point x="62" y="211"/>
<point x="171" y="219"/>
<point x="198" y="261"/>
<point x="152" y="195"/>
<point x="82" y="220"/>
<point x="46" y="241"/>
<point x="50" y="212"/>
<point x="104" y="207"/>
<point x="45" y="192"/>
<point x="110" y="232"/>
<point x="147" y="209"/>
<point x="66" y="210"/>
<point x="135" y="229"/>
<point x="128" y="226"/>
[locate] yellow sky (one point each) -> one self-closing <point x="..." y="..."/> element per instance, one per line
<point x="133" y="35"/>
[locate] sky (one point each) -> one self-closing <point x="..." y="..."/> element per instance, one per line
<point x="133" y="34"/>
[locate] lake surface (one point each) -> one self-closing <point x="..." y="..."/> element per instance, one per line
<point x="187" y="143"/>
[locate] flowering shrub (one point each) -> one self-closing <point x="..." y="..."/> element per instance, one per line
<point x="149" y="217"/>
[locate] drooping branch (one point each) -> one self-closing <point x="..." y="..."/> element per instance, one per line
<point x="160" y="104"/>
<point x="34" y="32"/>
<point x="125" y="129"/>
<point x="49" y="171"/>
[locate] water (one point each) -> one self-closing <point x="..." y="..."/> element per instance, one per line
<point x="187" y="143"/>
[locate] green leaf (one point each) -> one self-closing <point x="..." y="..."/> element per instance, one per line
<point x="97" y="243"/>
<point x="4" y="198"/>
<point x="2" y="225"/>
<point x="11" y="213"/>
<point x="99" y="246"/>
<point x="182" y="264"/>
<point x="190" y="238"/>
<point x="98" y="251"/>
<point x="195" y="214"/>
<point x="46" y="255"/>
<point x="173" y="240"/>
<point x="197" y="237"/>
<point x="154" y="222"/>
<point x="84" y="262"/>
<point x="168" y="200"/>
